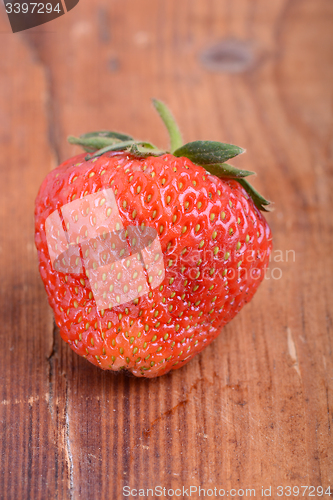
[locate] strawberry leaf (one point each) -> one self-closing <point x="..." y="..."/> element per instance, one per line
<point x="93" y="141"/>
<point x="224" y="170"/>
<point x="107" y="134"/>
<point x="140" y="149"/>
<point x="118" y="146"/>
<point x="208" y="152"/>
<point x="259" y="201"/>
<point x="145" y="149"/>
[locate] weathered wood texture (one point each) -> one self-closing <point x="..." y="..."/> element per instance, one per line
<point x="255" y="408"/>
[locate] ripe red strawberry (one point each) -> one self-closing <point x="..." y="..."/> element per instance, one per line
<point x="146" y="255"/>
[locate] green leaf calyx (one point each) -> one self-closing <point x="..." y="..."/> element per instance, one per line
<point x="211" y="155"/>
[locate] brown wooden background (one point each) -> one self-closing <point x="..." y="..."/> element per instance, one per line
<point x="255" y="408"/>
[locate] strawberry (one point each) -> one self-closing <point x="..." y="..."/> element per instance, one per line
<point x="145" y="255"/>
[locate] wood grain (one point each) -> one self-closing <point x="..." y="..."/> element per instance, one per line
<point x="255" y="408"/>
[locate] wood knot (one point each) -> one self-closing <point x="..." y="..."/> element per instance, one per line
<point x="229" y="56"/>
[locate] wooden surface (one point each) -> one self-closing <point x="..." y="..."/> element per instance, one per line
<point x="255" y="408"/>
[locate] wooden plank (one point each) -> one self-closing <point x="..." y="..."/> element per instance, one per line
<point x="255" y="408"/>
<point x="34" y="458"/>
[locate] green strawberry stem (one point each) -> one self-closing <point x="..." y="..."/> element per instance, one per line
<point x="176" y="140"/>
<point x="211" y="155"/>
